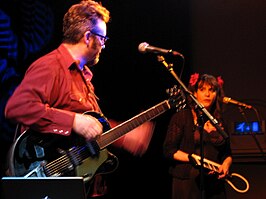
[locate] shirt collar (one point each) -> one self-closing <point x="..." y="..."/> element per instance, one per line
<point x="69" y="61"/>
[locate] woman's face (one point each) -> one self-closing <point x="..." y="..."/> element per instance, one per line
<point x="206" y="95"/>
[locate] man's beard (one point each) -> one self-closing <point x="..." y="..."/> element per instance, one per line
<point x="94" y="61"/>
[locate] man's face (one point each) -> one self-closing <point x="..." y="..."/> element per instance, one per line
<point x="97" y="42"/>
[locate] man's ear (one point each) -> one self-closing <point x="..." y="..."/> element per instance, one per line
<point x="87" y="37"/>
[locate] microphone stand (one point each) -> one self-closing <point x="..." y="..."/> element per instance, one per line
<point x="201" y="123"/>
<point x="201" y="112"/>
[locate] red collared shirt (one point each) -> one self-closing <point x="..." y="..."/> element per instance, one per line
<point x="53" y="89"/>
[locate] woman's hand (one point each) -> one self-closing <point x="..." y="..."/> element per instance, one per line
<point x="223" y="170"/>
<point x="209" y="127"/>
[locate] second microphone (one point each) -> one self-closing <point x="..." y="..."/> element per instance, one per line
<point x="144" y="47"/>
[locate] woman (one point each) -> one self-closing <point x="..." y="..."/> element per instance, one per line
<point x="183" y="138"/>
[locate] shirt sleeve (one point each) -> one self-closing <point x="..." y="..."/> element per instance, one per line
<point x="31" y="102"/>
<point x="174" y="135"/>
<point x="179" y="134"/>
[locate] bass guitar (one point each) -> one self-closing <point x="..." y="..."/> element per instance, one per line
<point x="35" y="154"/>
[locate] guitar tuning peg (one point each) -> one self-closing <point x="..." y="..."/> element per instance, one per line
<point x="172" y="91"/>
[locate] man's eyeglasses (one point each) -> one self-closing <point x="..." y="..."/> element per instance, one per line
<point x="103" y="38"/>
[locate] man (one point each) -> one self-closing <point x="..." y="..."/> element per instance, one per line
<point x="57" y="88"/>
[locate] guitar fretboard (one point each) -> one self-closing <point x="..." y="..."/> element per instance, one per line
<point x="113" y="134"/>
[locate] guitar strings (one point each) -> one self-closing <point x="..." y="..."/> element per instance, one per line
<point x="63" y="164"/>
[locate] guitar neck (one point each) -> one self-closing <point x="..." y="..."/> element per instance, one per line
<point x="115" y="133"/>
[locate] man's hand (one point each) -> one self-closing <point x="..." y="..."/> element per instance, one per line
<point x="87" y="126"/>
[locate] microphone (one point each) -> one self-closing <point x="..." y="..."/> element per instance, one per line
<point x="227" y="100"/>
<point x="146" y="48"/>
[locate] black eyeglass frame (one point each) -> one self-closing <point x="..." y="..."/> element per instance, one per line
<point x="105" y="38"/>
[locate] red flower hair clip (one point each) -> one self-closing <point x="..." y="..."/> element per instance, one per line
<point x="193" y="79"/>
<point x="220" y="81"/>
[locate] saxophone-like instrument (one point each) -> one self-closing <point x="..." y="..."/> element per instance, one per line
<point x="213" y="166"/>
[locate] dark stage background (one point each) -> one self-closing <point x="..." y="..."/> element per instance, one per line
<point x="219" y="37"/>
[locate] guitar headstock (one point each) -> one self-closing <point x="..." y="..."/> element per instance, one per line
<point x="177" y="98"/>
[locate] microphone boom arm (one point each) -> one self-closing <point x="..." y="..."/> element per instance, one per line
<point x="214" y="122"/>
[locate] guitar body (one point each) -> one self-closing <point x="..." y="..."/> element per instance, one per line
<point x="37" y="154"/>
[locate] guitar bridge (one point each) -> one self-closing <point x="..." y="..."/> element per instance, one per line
<point x="38" y="171"/>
